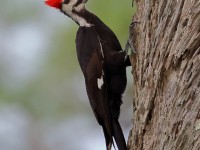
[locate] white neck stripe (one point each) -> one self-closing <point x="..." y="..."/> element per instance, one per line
<point x="81" y="21"/>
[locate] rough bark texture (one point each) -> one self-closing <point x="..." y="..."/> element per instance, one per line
<point x="166" y="73"/>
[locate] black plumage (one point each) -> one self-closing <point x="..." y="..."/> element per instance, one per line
<point x="99" y="53"/>
<point x="103" y="63"/>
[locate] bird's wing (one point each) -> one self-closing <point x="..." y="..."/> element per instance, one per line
<point x="90" y="56"/>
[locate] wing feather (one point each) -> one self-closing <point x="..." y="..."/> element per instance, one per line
<point x="90" y="56"/>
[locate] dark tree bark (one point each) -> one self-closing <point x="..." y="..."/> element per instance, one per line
<point x="166" y="71"/>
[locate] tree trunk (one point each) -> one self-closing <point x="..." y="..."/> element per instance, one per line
<point x="166" y="71"/>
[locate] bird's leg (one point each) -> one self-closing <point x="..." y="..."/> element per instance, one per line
<point x="122" y="57"/>
<point x="129" y="43"/>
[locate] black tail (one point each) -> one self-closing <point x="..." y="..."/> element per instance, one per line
<point x="118" y="136"/>
<point x="108" y="138"/>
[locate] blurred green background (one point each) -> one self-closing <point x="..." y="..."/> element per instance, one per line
<point x="43" y="102"/>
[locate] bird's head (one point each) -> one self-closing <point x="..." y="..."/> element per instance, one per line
<point x="67" y="6"/>
<point x="72" y="8"/>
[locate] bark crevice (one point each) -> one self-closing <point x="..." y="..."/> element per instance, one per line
<point x="166" y="73"/>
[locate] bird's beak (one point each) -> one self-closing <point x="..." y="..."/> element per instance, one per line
<point x="54" y="3"/>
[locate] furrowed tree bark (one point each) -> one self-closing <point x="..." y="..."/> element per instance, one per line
<point x="166" y="72"/>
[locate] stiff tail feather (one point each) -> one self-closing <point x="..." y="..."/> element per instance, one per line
<point x="108" y="138"/>
<point x="118" y="136"/>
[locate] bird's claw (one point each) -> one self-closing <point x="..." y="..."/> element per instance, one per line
<point x="132" y="24"/>
<point x="129" y="43"/>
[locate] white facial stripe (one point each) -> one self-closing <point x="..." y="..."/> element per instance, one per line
<point x="67" y="8"/>
<point x="72" y="2"/>
<point x="80" y="7"/>
<point x="82" y="22"/>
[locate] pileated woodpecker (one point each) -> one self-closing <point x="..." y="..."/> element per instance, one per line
<point x="103" y="63"/>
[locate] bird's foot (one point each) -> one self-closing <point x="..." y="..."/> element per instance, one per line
<point x="129" y="43"/>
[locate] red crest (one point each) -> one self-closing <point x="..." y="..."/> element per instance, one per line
<point x="54" y="3"/>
